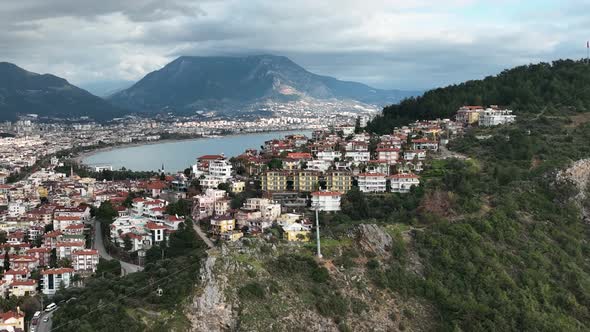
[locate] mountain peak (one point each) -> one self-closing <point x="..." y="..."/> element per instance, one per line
<point x="189" y="83"/>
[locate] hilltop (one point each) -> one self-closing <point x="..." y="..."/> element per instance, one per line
<point x="526" y="89"/>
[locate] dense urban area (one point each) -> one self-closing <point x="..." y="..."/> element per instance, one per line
<point x="64" y="224"/>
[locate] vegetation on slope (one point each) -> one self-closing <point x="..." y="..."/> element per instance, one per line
<point x="526" y="89"/>
<point x="109" y="302"/>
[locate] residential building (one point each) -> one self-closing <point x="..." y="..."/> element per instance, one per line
<point x="85" y="260"/>
<point x="296" y="232"/>
<point x="274" y="181"/>
<point x="23" y="288"/>
<point x="372" y="182"/>
<point x="306" y="181"/>
<point x="222" y="224"/>
<point x="325" y="200"/>
<point x="54" y="279"/>
<point x="402" y="183"/>
<point x="340" y="181"/>
<point x="494" y="116"/>
<point x="12" y="321"/>
<point x="468" y="115"/>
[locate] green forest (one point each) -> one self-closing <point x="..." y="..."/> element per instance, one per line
<point x="525" y="89"/>
<point x="502" y="242"/>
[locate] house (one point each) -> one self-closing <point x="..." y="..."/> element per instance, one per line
<point x="42" y="255"/>
<point x="237" y="186"/>
<point x="325" y="200"/>
<point x="12" y="321"/>
<point x="65" y="249"/>
<point x="372" y="182"/>
<point x="220" y="169"/>
<point x="222" y="224"/>
<point x="389" y="155"/>
<point x="23" y="288"/>
<point x="16" y="275"/>
<point x="402" y="183"/>
<point x="231" y="236"/>
<point x="85" y="260"/>
<point x="157" y="232"/>
<point x="468" y="115"/>
<point x="493" y="116"/>
<point x="424" y="144"/>
<point x="296" y="232"/>
<point x="410" y="155"/>
<point x="54" y="279"/>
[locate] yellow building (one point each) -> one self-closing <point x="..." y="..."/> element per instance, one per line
<point x="222" y="224"/>
<point x="238" y="186"/>
<point x="232" y="236"/>
<point x="306" y="181"/>
<point x="274" y="181"/>
<point x="339" y="181"/>
<point x="296" y="232"/>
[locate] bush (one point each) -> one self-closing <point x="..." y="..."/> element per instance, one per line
<point x="251" y="290"/>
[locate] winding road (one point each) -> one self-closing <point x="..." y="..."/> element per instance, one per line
<point x="98" y="244"/>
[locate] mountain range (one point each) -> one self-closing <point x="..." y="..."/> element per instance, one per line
<point x="23" y="92"/>
<point x="190" y="83"/>
<point x="185" y="85"/>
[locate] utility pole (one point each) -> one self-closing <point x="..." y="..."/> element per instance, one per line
<point x="317" y="230"/>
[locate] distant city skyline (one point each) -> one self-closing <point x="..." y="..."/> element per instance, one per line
<point x="389" y="44"/>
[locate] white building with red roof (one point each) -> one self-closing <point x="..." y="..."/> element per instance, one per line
<point x="325" y="200"/>
<point x="66" y="249"/>
<point x="12" y="321"/>
<point x="85" y="260"/>
<point x="54" y="279"/>
<point x="403" y="182"/>
<point x="23" y="288"/>
<point x="372" y="182"/>
<point x="390" y="155"/>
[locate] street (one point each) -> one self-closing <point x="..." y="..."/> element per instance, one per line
<point x="44" y="326"/>
<point x="98" y="244"/>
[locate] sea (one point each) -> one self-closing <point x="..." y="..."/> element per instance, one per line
<point x="178" y="155"/>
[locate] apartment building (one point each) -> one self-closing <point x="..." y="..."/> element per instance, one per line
<point x="339" y="181"/>
<point x="372" y="182"/>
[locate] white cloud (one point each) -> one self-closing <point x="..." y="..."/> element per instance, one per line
<point x="387" y="43"/>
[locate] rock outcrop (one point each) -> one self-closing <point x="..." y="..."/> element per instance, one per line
<point x="209" y="310"/>
<point x="372" y="238"/>
<point x="579" y="174"/>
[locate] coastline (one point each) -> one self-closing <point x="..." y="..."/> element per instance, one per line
<point x="78" y="157"/>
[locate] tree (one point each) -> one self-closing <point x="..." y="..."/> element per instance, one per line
<point x="106" y="212"/>
<point x="275" y="163"/>
<point x="6" y="261"/>
<point x="53" y="258"/>
<point x="127" y="243"/>
<point x="187" y="172"/>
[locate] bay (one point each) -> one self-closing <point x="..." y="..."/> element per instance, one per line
<point x="178" y="155"/>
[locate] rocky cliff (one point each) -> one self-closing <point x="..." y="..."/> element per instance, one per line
<point x="263" y="285"/>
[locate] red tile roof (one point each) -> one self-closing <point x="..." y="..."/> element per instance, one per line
<point x="326" y="193"/>
<point x="58" y="271"/>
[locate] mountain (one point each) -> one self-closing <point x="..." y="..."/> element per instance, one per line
<point x="24" y="92"/>
<point x="191" y="82"/>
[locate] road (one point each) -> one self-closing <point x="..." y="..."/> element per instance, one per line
<point x="44" y="326"/>
<point x="98" y="244"/>
<point x="202" y="235"/>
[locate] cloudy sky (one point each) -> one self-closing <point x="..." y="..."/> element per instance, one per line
<point x="401" y="44"/>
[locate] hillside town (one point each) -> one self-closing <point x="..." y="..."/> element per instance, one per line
<point x="47" y="219"/>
